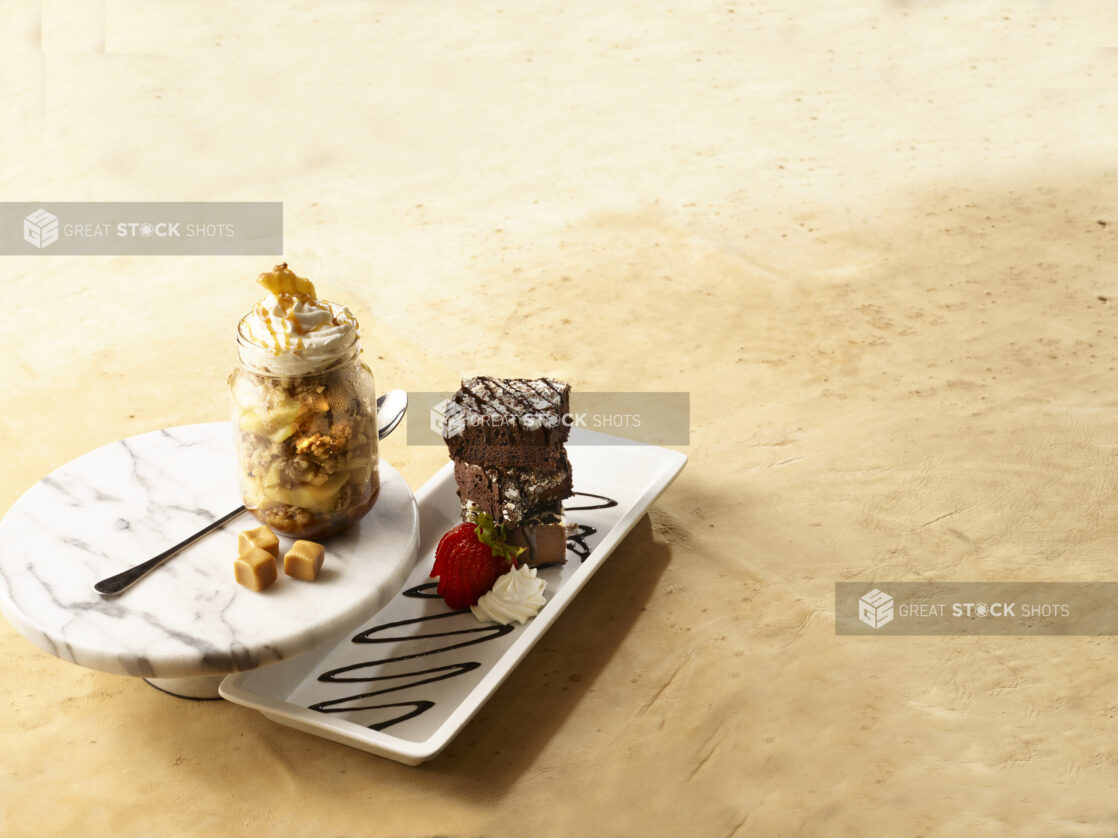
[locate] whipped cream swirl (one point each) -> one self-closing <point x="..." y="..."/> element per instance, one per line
<point x="516" y="595"/>
<point x="298" y="331"/>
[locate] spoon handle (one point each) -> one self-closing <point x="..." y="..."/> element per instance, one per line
<point x="115" y="584"/>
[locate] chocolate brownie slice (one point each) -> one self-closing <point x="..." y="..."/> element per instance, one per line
<point x="511" y="494"/>
<point x="508" y="421"/>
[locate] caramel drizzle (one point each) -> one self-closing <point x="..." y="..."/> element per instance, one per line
<point x="287" y="303"/>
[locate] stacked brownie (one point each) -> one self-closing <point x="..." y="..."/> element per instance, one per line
<point x="506" y="437"/>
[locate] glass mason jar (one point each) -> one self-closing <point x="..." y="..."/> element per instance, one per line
<point x="306" y="439"/>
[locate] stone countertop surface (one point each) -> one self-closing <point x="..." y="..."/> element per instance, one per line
<point x="875" y="242"/>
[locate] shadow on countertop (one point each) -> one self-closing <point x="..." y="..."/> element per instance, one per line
<point x="502" y="741"/>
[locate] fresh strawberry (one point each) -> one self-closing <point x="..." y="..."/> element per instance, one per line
<point x="462" y="532"/>
<point x="472" y="572"/>
<point x="469" y="559"/>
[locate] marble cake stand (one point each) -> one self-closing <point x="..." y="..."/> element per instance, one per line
<point x="188" y="623"/>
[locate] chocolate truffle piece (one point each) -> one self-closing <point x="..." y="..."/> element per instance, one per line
<point x="544" y="537"/>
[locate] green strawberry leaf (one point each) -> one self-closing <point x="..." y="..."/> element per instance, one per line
<point x="495" y="537"/>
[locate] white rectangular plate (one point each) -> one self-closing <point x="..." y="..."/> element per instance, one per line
<point x="403" y="684"/>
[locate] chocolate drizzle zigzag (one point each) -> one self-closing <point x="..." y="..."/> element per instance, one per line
<point x="606" y="503"/>
<point x="418" y="708"/>
<point x="489" y="632"/>
<point x="577" y="543"/>
<point x="405" y="680"/>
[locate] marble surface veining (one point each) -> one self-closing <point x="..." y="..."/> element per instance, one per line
<point x="125" y="502"/>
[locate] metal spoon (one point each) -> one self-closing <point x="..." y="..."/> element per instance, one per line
<point x="391" y="408"/>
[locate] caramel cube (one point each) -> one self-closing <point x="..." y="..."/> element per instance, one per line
<point x="304" y="560"/>
<point x="261" y="537"/>
<point x="255" y="569"/>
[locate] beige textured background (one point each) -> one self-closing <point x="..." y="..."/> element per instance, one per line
<point x="871" y="239"/>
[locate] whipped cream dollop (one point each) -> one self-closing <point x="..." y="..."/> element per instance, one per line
<point x="516" y="595"/>
<point x="296" y="329"/>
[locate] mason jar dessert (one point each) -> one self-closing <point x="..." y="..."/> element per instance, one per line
<point x="304" y="412"/>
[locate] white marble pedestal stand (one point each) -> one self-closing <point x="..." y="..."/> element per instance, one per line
<point x="188" y="623"/>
